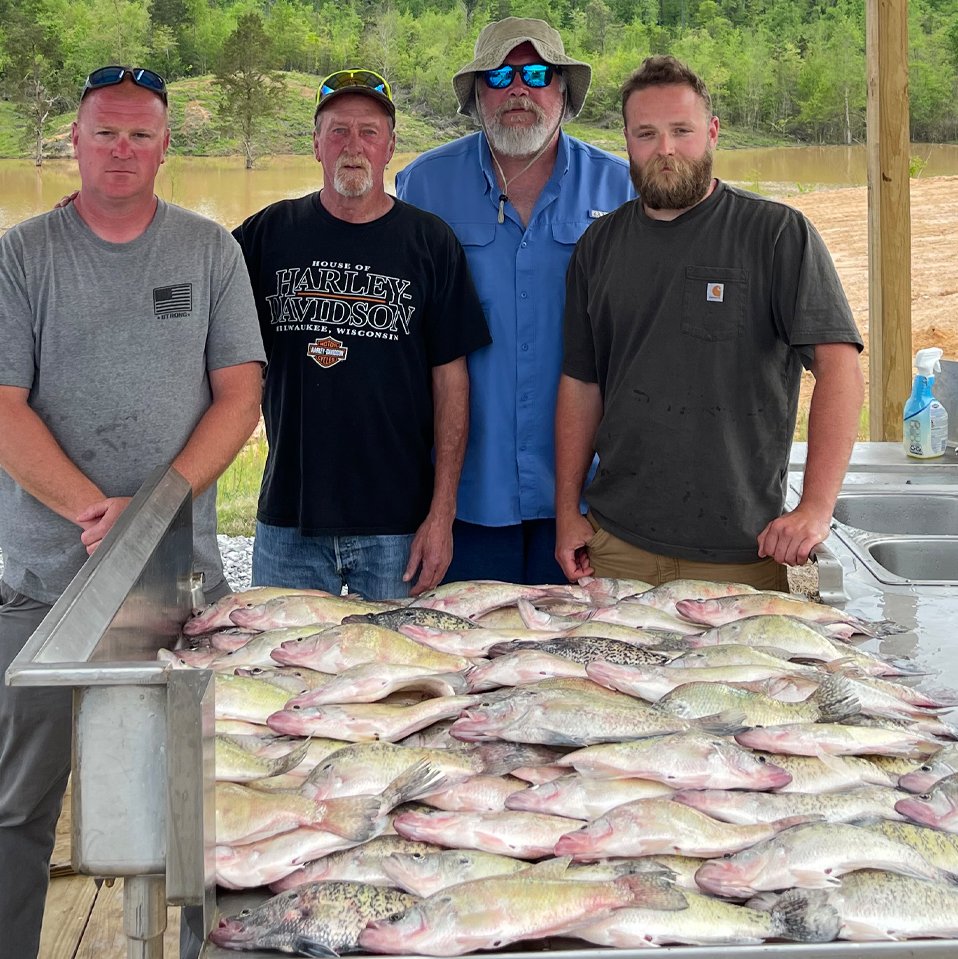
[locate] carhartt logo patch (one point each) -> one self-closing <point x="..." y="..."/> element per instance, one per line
<point x="327" y="352"/>
<point x="173" y="301"/>
<point x="715" y="293"/>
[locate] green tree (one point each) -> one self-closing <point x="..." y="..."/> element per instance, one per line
<point x="32" y="71"/>
<point x="251" y="90"/>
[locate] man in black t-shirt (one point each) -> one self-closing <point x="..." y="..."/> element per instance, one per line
<point x="690" y="314"/>
<point x="367" y="312"/>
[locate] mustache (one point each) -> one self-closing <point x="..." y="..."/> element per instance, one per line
<point x="521" y="102"/>
<point x="354" y="161"/>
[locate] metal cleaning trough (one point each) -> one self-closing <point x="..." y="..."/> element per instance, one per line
<point x="143" y="773"/>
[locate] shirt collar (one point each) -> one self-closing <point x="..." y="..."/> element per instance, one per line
<point x="489" y="172"/>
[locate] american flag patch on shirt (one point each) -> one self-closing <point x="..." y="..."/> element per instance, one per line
<point x="174" y="300"/>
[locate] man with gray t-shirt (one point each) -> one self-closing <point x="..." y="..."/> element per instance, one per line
<point x="130" y="341"/>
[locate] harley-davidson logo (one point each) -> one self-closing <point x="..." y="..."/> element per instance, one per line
<point x="327" y="352"/>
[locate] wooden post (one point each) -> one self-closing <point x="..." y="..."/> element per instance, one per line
<point x="889" y="217"/>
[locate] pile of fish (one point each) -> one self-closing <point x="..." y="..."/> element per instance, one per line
<point x="696" y="763"/>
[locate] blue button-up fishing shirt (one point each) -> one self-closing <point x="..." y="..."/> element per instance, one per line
<point x="509" y="471"/>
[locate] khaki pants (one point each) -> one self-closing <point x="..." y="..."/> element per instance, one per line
<point x="613" y="557"/>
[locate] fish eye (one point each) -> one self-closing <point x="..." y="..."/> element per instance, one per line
<point x="464" y="860"/>
<point x="925" y="797"/>
<point x="418" y="857"/>
<point x="245" y="913"/>
<point x="761" y="759"/>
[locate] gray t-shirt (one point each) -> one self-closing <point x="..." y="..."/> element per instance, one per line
<point x="115" y="341"/>
<point x="696" y="330"/>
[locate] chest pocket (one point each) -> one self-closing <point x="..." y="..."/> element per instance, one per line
<point x="713" y="302"/>
<point x="569" y="231"/>
<point x="474" y="234"/>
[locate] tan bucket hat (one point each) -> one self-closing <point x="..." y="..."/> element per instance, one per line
<point x="497" y="40"/>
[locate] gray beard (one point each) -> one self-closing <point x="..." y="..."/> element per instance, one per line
<point x="519" y="141"/>
<point x="352" y="183"/>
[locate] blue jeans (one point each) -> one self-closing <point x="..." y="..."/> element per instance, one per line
<point x="369" y="565"/>
<point x="524" y="553"/>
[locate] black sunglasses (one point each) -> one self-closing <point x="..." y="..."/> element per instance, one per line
<point x="111" y="76"/>
<point x="536" y="75"/>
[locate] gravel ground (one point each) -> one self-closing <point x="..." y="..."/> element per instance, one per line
<point x="237" y="552"/>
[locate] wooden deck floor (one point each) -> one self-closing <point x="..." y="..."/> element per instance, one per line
<point x="85" y="922"/>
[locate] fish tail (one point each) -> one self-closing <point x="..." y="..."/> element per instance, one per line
<point x="418" y="780"/>
<point x="805" y="915"/>
<point x="304" y="946"/>
<point x="356" y="818"/>
<point x="836" y="701"/>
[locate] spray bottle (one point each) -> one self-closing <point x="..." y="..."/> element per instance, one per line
<point x="925" y="419"/>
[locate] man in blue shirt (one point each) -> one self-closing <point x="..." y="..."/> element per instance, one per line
<point x="518" y="194"/>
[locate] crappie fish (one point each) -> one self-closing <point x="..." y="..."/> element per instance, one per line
<point x="466" y="642"/>
<point x="340" y="647"/>
<point x="362" y="863"/>
<point x="744" y="808"/>
<point x="245" y="815"/>
<point x="838" y="739"/>
<point x="871" y="906"/>
<point x="301" y="610"/>
<point x="371" y="682"/>
<point x="531" y="716"/>
<point x="938" y="847"/>
<point x="727" y="609"/>
<point x="477" y="597"/>
<point x="939" y="765"/>
<point x="519" y="668"/>
<point x="425" y="873"/>
<point x="269" y="860"/>
<point x="685" y="760"/>
<point x="489" y="913"/>
<point x="651" y="683"/>
<point x="826" y="773"/>
<point x="647" y="827"/>
<point x="478" y="794"/>
<point x="237" y="763"/>
<point x="252" y="700"/>
<point x="522" y="835"/>
<point x="811" y="856"/>
<point x="832" y="702"/>
<point x="366" y="721"/>
<point x="414" y="616"/>
<point x="316" y="919"/>
<point x="581" y="798"/>
<point x="798" y="638"/>
<point x="668" y="594"/>
<point x="585" y="649"/>
<point x="706" y="921"/>
<point x="937" y="808"/>
<point x="217" y="615"/>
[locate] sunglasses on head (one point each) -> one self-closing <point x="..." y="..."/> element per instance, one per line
<point x="111" y="76"/>
<point x="536" y="75"/>
<point x="343" y="79"/>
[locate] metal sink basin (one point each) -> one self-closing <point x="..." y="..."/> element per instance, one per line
<point x="912" y="512"/>
<point x="918" y="557"/>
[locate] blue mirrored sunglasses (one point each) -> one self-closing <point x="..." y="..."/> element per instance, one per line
<point x="112" y="75"/>
<point x="535" y="75"/>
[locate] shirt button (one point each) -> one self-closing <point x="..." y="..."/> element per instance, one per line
<point x="524" y="244"/>
<point x="525" y="347"/>
<point x="524" y="295"/>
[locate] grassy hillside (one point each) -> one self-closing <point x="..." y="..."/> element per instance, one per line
<point x="197" y="131"/>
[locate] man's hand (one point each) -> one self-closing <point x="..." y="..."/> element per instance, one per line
<point x="430" y="553"/>
<point x="790" y="538"/>
<point x="572" y="534"/>
<point x="98" y="518"/>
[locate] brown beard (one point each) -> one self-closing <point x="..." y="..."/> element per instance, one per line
<point x="686" y="185"/>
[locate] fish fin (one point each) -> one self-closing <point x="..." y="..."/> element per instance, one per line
<point x="835" y="700"/>
<point x="418" y="780"/>
<point x="805" y="915"/>
<point x="727" y="723"/>
<point x="861" y="931"/>
<point x="312" y="947"/>
<point x="352" y="817"/>
<point x="652" y="891"/>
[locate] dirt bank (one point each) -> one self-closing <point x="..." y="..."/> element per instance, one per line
<point x="842" y="219"/>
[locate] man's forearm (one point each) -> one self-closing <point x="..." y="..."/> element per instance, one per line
<point x="225" y="426"/>
<point x="450" y="388"/>
<point x="34" y="459"/>
<point x="578" y="413"/>
<point x="833" y="420"/>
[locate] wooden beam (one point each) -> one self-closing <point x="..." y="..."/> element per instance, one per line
<point x="889" y="217"/>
